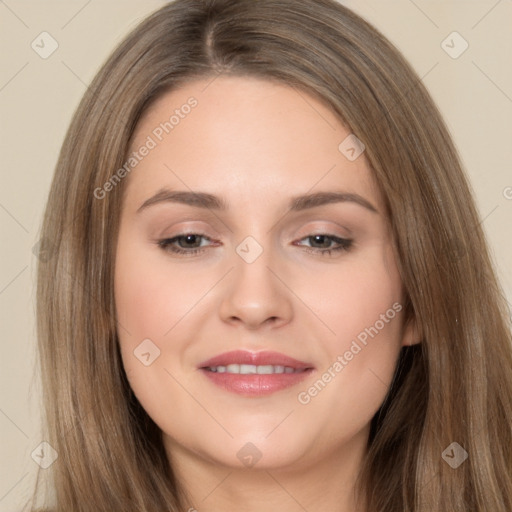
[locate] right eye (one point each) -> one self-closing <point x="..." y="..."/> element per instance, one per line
<point x="168" y="244"/>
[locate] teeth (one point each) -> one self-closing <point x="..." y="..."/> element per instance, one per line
<point x="249" y="369"/>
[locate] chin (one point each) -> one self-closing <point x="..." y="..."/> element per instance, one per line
<point x="257" y="452"/>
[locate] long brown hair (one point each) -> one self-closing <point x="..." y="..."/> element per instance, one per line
<point x="455" y="386"/>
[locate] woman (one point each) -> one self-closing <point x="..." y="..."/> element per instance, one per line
<point x="258" y="370"/>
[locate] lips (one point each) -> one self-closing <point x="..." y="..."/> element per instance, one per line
<point x="256" y="359"/>
<point x="255" y="373"/>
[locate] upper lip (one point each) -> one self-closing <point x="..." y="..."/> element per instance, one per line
<point x="254" y="358"/>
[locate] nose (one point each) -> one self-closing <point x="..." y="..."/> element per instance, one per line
<point x="256" y="294"/>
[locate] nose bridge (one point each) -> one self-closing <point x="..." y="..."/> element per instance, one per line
<point x="253" y="273"/>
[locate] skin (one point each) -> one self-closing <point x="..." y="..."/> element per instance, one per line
<point x="257" y="144"/>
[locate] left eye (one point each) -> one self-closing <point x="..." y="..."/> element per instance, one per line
<point x="344" y="244"/>
<point x="192" y="243"/>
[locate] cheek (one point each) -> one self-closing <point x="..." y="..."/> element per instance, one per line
<point x="151" y="296"/>
<point x="352" y="385"/>
<point x="147" y="307"/>
<point x="357" y="300"/>
<point x="152" y="303"/>
<point x="362" y="307"/>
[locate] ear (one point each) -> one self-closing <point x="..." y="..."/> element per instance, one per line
<point x="410" y="333"/>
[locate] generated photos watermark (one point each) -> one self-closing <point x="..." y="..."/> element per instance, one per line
<point x="357" y="345"/>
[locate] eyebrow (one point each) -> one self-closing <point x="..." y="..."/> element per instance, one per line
<point x="212" y="202"/>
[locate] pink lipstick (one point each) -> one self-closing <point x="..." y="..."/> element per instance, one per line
<point x="255" y="373"/>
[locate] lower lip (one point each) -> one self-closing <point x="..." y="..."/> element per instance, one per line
<point x="256" y="384"/>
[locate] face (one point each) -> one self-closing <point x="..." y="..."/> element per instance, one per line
<point x="257" y="327"/>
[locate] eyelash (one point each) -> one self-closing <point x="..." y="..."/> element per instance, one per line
<point x="345" y="244"/>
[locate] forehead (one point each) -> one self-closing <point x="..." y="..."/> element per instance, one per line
<point x="260" y="137"/>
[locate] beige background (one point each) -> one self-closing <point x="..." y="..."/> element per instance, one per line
<point x="38" y="96"/>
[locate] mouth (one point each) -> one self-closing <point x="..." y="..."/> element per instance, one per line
<point x="254" y="374"/>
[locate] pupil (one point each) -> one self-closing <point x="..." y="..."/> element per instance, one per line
<point x="320" y="238"/>
<point x="190" y="238"/>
